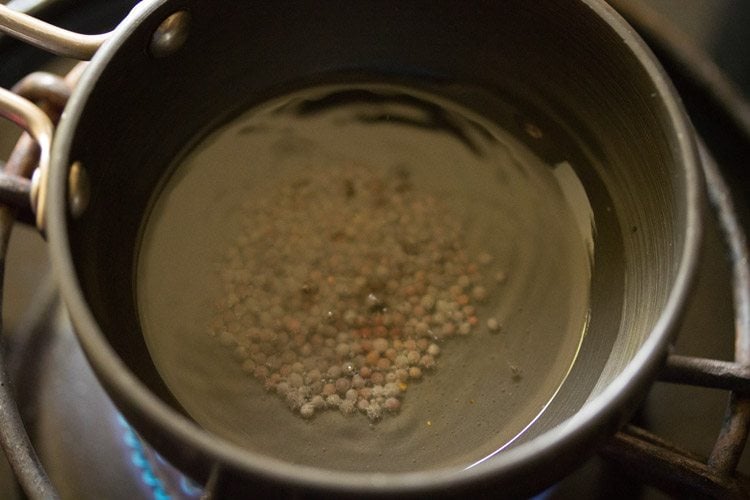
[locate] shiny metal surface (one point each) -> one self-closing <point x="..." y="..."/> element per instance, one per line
<point x="171" y="34"/>
<point x="49" y="37"/>
<point x="662" y="463"/>
<point x="656" y="210"/>
<point x="28" y="116"/>
<point x="79" y="189"/>
<point x="13" y="437"/>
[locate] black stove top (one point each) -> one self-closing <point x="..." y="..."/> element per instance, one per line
<point x="88" y="449"/>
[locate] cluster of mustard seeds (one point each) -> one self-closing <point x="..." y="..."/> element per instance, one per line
<point x="342" y="288"/>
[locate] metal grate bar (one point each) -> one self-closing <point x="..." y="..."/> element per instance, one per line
<point x="663" y="464"/>
<point x="13" y="438"/>
<point x="702" y="372"/>
<point x="733" y="436"/>
<point x="669" y="468"/>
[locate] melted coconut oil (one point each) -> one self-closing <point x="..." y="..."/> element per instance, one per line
<point x="366" y="278"/>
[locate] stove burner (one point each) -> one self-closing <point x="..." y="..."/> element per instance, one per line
<point x="74" y="427"/>
<point x="153" y="468"/>
<point x="79" y="435"/>
<point x="139" y="460"/>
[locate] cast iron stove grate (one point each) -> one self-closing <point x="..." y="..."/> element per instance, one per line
<point x="644" y="455"/>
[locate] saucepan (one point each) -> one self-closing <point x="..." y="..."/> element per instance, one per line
<point x="569" y="85"/>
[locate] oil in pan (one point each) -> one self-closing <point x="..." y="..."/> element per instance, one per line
<point x="366" y="278"/>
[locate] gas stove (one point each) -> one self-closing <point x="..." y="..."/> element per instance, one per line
<point x="89" y="451"/>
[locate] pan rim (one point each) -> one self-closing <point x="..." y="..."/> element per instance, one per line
<point x="609" y="407"/>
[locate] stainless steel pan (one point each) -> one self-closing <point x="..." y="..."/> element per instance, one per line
<point x="169" y="73"/>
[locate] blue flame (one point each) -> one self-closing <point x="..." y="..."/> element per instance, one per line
<point x="148" y="475"/>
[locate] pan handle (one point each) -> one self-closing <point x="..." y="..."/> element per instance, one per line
<point x="168" y="37"/>
<point x="49" y="37"/>
<point x="23" y="112"/>
<point x="34" y="121"/>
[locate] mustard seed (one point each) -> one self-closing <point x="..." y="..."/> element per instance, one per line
<point x="295" y="380"/>
<point x="427" y="361"/>
<point x="333" y="401"/>
<point x="347" y="407"/>
<point x="342" y="349"/>
<point x="307" y="410"/>
<point x="358" y="382"/>
<point x="335" y="301"/>
<point x="374" y="411"/>
<point x="392" y="404"/>
<point x="380" y="345"/>
<point x="312" y="376"/>
<point x="334" y="371"/>
<point x="413" y="357"/>
<point x="391" y="390"/>
<point x="342" y="385"/>
<point x="479" y="293"/>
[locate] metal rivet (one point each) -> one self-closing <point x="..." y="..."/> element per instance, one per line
<point x="170" y="35"/>
<point x="533" y="130"/>
<point x="79" y="190"/>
